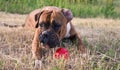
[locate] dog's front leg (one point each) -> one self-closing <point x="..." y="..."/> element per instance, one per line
<point x="35" y="45"/>
<point x="37" y="49"/>
<point x="81" y="48"/>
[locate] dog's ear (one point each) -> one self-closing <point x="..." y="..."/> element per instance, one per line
<point x="36" y="18"/>
<point x="68" y="14"/>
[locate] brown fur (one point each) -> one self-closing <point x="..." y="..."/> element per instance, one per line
<point x="30" y="22"/>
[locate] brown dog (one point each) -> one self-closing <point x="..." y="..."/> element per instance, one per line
<point x="52" y="25"/>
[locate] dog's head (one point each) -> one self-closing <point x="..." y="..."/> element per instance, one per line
<point x="52" y="24"/>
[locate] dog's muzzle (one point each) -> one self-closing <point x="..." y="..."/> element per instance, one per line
<point x="49" y="39"/>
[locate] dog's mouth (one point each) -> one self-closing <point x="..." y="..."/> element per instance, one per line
<point x="45" y="45"/>
<point x="49" y="40"/>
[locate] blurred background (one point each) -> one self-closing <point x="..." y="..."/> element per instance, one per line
<point x="80" y="8"/>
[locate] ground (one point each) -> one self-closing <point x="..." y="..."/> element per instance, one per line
<point x="101" y="36"/>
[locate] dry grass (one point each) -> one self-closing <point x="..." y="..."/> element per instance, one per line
<point x="101" y="36"/>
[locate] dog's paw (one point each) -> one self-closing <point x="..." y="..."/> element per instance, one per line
<point x="37" y="64"/>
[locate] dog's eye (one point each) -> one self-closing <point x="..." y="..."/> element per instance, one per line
<point x="41" y="24"/>
<point x="45" y="25"/>
<point x="55" y="26"/>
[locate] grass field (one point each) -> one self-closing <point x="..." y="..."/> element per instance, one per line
<point x="80" y="8"/>
<point x="100" y="36"/>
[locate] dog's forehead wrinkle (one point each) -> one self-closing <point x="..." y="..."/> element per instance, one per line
<point x="46" y="14"/>
<point x="55" y="21"/>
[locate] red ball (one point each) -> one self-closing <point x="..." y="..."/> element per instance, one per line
<point x="61" y="53"/>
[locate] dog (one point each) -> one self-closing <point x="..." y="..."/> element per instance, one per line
<point x="52" y="25"/>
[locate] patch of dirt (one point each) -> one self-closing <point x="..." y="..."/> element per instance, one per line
<point x="11" y="19"/>
<point x="19" y="19"/>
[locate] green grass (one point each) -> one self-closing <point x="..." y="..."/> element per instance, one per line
<point x="80" y="8"/>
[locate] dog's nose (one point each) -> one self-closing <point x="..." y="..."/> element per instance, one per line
<point x="45" y="34"/>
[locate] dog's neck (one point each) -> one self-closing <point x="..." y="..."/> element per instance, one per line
<point x="68" y="28"/>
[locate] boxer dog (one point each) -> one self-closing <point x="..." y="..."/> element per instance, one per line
<point x="52" y="25"/>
